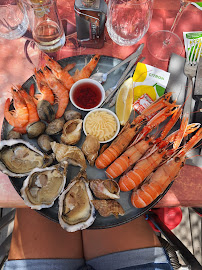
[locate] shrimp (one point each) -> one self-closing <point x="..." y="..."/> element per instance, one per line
<point x="18" y="117"/>
<point x="45" y="91"/>
<point x="61" y="93"/>
<point x="125" y="138"/>
<point x="87" y="70"/>
<point x="32" y="111"/>
<point x="70" y="66"/>
<point x="163" y="176"/>
<point x="62" y="75"/>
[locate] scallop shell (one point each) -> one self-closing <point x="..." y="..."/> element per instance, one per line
<point x="70" y="153"/>
<point x="71" y="133"/>
<point x="18" y="158"/>
<point x="76" y="211"/>
<point x="42" y="187"/>
<point x="105" y="189"/>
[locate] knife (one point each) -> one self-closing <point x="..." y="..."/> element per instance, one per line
<point x="197" y="115"/>
<point x="130" y="65"/>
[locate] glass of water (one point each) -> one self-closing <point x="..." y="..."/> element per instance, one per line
<point x="13" y="19"/>
<point x="128" y="20"/>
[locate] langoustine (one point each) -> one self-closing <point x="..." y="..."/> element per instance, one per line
<point x="129" y="131"/>
<point x="163" y="176"/>
<point x="143" y="142"/>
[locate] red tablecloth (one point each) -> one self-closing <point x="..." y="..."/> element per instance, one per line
<point x="16" y="69"/>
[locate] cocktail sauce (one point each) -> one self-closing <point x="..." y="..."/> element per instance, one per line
<point x="87" y="95"/>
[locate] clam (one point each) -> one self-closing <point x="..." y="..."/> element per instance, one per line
<point x="105" y="189"/>
<point x="42" y="187"/>
<point x="35" y="129"/>
<point x="44" y="142"/>
<point x="71" y="114"/>
<point x="18" y="158"/>
<point x="45" y="111"/>
<point x="55" y="126"/>
<point x="13" y="135"/>
<point x="71" y="132"/>
<point x="76" y="211"/>
<point x="108" y="207"/>
<point x="70" y="153"/>
<point x="90" y="148"/>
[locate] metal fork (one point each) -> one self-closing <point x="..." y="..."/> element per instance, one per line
<point x="190" y="68"/>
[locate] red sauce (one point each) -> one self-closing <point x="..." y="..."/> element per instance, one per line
<point x="87" y="95"/>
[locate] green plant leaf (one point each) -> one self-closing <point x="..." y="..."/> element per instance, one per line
<point x="160" y="90"/>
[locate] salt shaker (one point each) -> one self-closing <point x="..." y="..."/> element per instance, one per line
<point x="90" y="21"/>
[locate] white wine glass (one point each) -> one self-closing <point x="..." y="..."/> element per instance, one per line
<point x="161" y="44"/>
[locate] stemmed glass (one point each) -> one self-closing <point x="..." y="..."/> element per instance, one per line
<point x="163" y="43"/>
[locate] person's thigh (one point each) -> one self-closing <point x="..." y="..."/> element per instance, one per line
<point x="36" y="237"/>
<point x="133" y="235"/>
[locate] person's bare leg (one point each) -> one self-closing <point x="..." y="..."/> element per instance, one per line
<point x="133" y="235"/>
<point x="36" y="237"/>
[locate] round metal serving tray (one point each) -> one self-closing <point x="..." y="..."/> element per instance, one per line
<point x="105" y="63"/>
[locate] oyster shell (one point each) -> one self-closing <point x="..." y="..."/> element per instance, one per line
<point x="76" y="211"/>
<point x="71" y="132"/>
<point x="71" y="114"/>
<point x="108" y="207"/>
<point x="70" y="153"/>
<point x="105" y="189"/>
<point x="90" y="148"/>
<point x="18" y="158"/>
<point x="42" y="187"/>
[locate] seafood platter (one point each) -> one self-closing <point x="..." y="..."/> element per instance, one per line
<point x="82" y="179"/>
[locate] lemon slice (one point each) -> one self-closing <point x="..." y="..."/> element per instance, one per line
<point x="124" y="101"/>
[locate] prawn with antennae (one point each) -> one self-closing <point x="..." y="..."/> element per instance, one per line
<point x="151" y="160"/>
<point x="130" y="130"/>
<point x="139" y="147"/>
<point x="163" y="176"/>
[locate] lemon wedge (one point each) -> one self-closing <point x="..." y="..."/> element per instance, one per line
<point x="124" y="101"/>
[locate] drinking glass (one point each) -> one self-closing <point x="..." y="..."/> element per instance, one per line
<point x="13" y="19"/>
<point x="163" y="43"/>
<point x="128" y="20"/>
<point x="47" y="29"/>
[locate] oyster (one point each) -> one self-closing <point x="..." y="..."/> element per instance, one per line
<point x="105" y="189"/>
<point x="90" y="148"/>
<point x="70" y="153"/>
<point x="18" y="158"/>
<point x="71" y="132"/>
<point x="76" y="211"/>
<point x="71" y="114"/>
<point x="42" y="187"/>
<point x="108" y="207"/>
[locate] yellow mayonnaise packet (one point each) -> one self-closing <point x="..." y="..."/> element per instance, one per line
<point x="149" y="80"/>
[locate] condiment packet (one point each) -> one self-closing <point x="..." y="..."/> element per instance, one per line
<point x="149" y="80"/>
<point x="190" y="39"/>
<point x="142" y="103"/>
